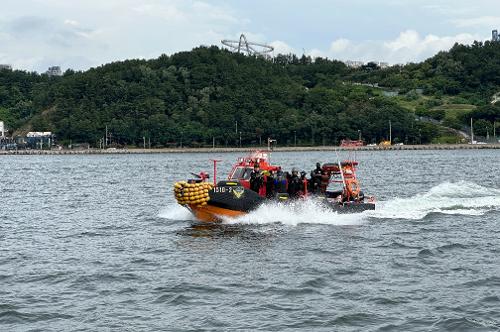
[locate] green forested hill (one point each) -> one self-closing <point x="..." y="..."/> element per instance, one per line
<point x="209" y="93"/>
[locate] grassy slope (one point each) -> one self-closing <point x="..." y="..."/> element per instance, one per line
<point x="452" y="112"/>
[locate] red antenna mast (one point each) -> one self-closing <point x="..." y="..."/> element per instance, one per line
<point x="215" y="170"/>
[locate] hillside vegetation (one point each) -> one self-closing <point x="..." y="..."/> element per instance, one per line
<point x="206" y="94"/>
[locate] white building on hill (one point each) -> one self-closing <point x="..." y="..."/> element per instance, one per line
<point x="494" y="36"/>
<point x="354" y="64"/>
<point x="54" y="71"/>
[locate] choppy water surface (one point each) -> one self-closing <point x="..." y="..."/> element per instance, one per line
<point x="97" y="243"/>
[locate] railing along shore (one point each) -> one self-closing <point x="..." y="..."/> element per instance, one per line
<point x="245" y="149"/>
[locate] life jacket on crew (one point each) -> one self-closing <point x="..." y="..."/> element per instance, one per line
<point x="304" y="186"/>
<point x="325" y="180"/>
<point x="264" y="184"/>
<point x="353" y="189"/>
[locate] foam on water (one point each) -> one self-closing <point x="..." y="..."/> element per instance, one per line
<point x="176" y="212"/>
<point x="459" y="198"/>
<point x="300" y="212"/>
<point x="455" y="198"/>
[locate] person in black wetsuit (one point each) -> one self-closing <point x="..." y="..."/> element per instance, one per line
<point x="280" y="181"/>
<point x="316" y="179"/>
<point x="256" y="179"/>
<point x="270" y="184"/>
<point x="294" y="184"/>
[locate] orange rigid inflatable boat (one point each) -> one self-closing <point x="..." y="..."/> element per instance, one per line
<point x="232" y="198"/>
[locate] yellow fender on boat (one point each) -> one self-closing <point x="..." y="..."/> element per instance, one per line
<point x="192" y="193"/>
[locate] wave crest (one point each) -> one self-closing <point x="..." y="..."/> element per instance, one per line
<point x="457" y="198"/>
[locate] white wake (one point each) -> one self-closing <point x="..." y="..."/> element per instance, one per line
<point x="300" y="212"/>
<point x="457" y="198"/>
<point x="176" y="212"/>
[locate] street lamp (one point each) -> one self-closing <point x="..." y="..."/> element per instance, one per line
<point x="495" y="131"/>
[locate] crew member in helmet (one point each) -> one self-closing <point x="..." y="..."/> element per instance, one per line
<point x="256" y="179"/>
<point x="294" y="184"/>
<point x="280" y="181"/>
<point x="315" y="184"/>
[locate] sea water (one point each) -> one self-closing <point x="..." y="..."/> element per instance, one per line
<point x="97" y="243"/>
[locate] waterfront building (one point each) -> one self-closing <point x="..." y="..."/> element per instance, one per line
<point x="2" y="129"/>
<point x="6" y="67"/>
<point x="40" y="139"/>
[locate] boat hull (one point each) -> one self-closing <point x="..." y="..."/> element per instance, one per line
<point x="352" y="207"/>
<point x="230" y="199"/>
<point x="211" y="213"/>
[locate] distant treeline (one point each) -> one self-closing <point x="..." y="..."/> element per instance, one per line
<point x="192" y="98"/>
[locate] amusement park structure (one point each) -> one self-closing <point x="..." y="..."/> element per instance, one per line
<point x="250" y="48"/>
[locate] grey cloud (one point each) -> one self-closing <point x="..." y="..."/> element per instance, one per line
<point x="27" y="25"/>
<point x="51" y="31"/>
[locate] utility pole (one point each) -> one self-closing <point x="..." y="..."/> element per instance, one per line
<point x="295" y="138"/>
<point x="471" y="132"/>
<point x="240" y="139"/>
<point x="359" y="135"/>
<point x="149" y="142"/>
<point x="106" y="139"/>
<point x="144" y="142"/>
<point x="390" y="132"/>
<point x="495" y="131"/>
<point x="236" y="124"/>
<point x="213" y="142"/>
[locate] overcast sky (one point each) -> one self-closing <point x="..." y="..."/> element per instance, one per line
<point x="78" y="34"/>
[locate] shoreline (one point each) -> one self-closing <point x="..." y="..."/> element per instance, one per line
<point x="276" y="149"/>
